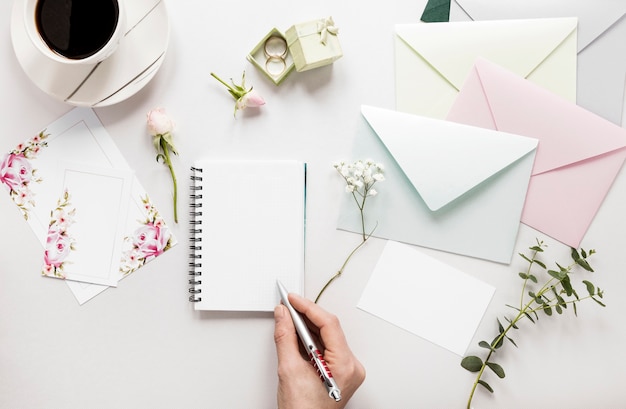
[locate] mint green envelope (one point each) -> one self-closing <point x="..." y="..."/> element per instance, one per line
<point x="447" y="186"/>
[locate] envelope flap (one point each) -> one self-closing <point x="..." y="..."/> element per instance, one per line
<point x="441" y="159"/>
<point x="594" y="18"/>
<point x="451" y="48"/>
<point x="567" y="132"/>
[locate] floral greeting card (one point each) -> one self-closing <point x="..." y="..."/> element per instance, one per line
<point x="34" y="176"/>
<point x="86" y="228"/>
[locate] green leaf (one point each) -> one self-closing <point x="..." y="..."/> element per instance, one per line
<point x="511" y="322"/>
<point x="567" y="286"/>
<point x="548" y="310"/>
<point x="497" y="369"/>
<point x="575" y="255"/>
<point x="485" y="385"/>
<point x="558" y="309"/>
<point x="583" y="253"/>
<point x="529" y="317"/>
<point x="583" y="263"/>
<point x="522" y="255"/>
<point x="533" y="278"/>
<point x="559" y="275"/>
<point x="540" y="263"/>
<point x="498" y="344"/>
<point x="523" y="275"/>
<point x="591" y="289"/>
<point x="485" y="344"/>
<point x="156" y="141"/>
<point x="500" y="327"/>
<point x="472" y="363"/>
<point x="598" y="301"/>
<point x="512" y="342"/>
<point x="575" y="309"/>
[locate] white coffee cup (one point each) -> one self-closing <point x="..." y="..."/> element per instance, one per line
<point x="75" y="31"/>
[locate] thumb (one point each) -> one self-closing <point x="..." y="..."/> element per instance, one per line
<point x="285" y="336"/>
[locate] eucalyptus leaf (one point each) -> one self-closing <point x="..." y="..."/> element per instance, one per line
<point x="522" y="255"/>
<point x="583" y="263"/>
<point x="485" y="344"/>
<point x="598" y="301"/>
<point x="511" y="322"/>
<point x="485" y="385"/>
<point x="497" y="369"/>
<point x="541" y="264"/>
<point x="591" y="289"/>
<point x="499" y="342"/>
<point x="557" y="274"/>
<point x="472" y="363"/>
<point x="567" y="286"/>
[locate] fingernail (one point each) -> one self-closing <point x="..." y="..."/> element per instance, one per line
<point x="278" y="312"/>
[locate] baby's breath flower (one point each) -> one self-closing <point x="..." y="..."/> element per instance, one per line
<point x="360" y="177"/>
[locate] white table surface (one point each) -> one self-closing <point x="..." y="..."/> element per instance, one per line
<point x="142" y="346"/>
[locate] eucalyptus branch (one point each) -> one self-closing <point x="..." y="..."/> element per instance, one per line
<point x="556" y="294"/>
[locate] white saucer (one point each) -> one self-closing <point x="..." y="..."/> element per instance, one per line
<point x="136" y="60"/>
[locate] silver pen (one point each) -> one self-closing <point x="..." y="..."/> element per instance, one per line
<point x="311" y="348"/>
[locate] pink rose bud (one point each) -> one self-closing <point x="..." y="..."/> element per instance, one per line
<point x="250" y="100"/>
<point x="159" y="123"/>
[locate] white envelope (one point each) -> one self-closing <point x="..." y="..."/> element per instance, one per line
<point x="432" y="60"/>
<point x="601" y="34"/>
<point x="448" y="186"/>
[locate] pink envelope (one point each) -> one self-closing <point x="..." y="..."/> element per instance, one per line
<point x="579" y="153"/>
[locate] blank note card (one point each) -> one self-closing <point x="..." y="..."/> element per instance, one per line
<point x="426" y="297"/>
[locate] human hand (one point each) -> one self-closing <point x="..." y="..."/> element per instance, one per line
<point x="299" y="385"/>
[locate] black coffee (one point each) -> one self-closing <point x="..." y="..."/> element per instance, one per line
<point x="76" y="29"/>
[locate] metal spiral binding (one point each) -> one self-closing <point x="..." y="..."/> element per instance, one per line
<point x="195" y="258"/>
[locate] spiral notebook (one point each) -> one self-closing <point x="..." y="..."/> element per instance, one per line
<point x="247" y="231"/>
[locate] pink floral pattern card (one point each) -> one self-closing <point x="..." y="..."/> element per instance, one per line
<point x="34" y="178"/>
<point x="86" y="228"/>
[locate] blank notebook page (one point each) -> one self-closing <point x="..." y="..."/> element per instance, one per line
<point x="252" y="218"/>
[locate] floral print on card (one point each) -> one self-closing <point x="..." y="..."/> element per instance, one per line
<point x="17" y="172"/>
<point x="59" y="242"/>
<point x="150" y="239"/>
